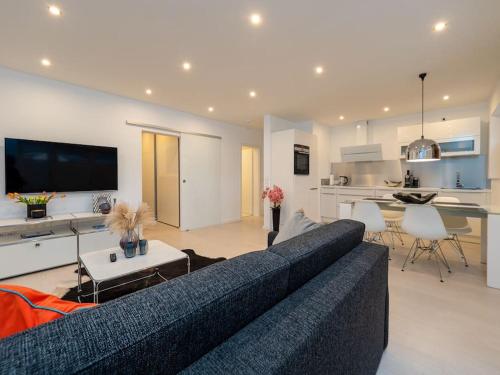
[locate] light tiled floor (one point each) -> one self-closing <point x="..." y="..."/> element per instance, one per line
<point x="435" y="328"/>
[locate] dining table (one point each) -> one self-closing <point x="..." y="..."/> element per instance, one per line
<point x="490" y="228"/>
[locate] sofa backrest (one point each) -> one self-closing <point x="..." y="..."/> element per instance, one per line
<point x="334" y="324"/>
<point x="314" y="251"/>
<point x="161" y="329"/>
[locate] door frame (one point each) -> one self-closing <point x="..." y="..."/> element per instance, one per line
<point x="254" y="195"/>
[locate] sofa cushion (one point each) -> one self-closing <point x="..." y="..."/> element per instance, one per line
<point x="312" y="252"/>
<point x="22" y="308"/>
<point x="161" y="329"/>
<point x="296" y="225"/>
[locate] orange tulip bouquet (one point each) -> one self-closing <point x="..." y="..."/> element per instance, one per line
<point x="36" y="205"/>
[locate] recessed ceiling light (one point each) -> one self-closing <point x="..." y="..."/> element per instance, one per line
<point x="319" y="70"/>
<point x="45" y="62"/>
<point x="210" y="109"/>
<point x="255" y="19"/>
<point x="252" y="94"/>
<point x="446" y="97"/>
<point x="341" y="117"/>
<point x="149" y="91"/>
<point x="54" y="10"/>
<point x="440" y="26"/>
<point x="386" y="109"/>
<point x="186" y="65"/>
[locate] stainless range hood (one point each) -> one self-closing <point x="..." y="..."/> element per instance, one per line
<point x="371" y="152"/>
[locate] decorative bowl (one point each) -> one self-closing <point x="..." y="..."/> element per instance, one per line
<point x="391" y="183"/>
<point x="414" y="198"/>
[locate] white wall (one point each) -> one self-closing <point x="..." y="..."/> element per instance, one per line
<point x="274" y="124"/>
<point x="494" y="146"/>
<point x="33" y="107"/>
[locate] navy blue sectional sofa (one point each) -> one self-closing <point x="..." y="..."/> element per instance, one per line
<point x="315" y="304"/>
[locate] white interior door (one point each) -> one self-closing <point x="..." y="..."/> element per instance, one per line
<point x="200" y="170"/>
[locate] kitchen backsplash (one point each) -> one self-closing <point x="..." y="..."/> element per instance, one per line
<point x="442" y="173"/>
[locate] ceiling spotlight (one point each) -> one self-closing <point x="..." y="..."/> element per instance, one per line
<point x="440" y="26"/>
<point x="186" y="65"/>
<point x="149" y="91"/>
<point x="319" y="70"/>
<point x="446" y="97"/>
<point x="252" y="94"/>
<point x="386" y="109"/>
<point x="54" y="10"/>
<point x="45" y="62"/>
<point x="210" y="109"/>
<point x="255" y="19"/>
<point x="341" y="117"/>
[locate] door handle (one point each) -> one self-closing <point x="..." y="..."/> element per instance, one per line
<point x="313" y="188"/>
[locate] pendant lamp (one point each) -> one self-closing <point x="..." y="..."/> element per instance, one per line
<point x="423" y="149"/>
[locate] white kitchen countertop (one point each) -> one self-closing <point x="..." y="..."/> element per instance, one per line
<point x="408" y="189"/>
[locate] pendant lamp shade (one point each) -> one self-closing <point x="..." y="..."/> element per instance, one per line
<point x="422" y="149"/>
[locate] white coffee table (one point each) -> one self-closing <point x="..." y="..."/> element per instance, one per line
<point x="100" y="269"/>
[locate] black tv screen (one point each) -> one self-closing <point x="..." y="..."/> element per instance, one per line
<point x="36" y="166"/>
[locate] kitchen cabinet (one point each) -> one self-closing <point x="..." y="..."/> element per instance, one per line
<point x="328" y="205"/>
<point x="456" y="137"/>
<point x="332" y="197"/>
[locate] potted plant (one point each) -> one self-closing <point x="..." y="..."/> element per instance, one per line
<point x="275" y="196"/>
<point x="36" y="205"/>
<point x="124" y="220"/>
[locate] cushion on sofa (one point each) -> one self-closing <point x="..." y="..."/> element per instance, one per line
<point x="161" y="329"/>
<point x="296" y="225"/>
<point x="22" y="308"/>
<point x="334" y="324"/>
<point x="312" y="252"/>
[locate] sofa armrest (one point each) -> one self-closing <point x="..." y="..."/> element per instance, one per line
<point x="271" y="236"/>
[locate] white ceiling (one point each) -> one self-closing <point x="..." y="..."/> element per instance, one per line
<point x="372" y="52"/>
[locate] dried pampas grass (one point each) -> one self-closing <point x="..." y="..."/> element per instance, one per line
<point x="123" y="218"/>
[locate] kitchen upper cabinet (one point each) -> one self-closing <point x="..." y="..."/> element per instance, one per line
<point x="456" y="137"/>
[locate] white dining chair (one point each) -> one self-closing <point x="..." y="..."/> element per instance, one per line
<point x="393" y="221"/>
<point x="455" y="226"/>
<point x="425" y="224"/>
<point x="369" y="214"/>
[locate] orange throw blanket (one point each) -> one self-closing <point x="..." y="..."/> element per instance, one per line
<point x="22" y="308"/>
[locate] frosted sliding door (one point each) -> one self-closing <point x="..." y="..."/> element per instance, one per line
<point x="148" y="170"/>
<point x="200" y="161"/>
<point x="167" y="180"/>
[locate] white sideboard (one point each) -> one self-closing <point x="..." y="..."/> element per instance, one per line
<point x="69" y="235"/>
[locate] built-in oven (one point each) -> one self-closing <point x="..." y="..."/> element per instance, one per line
<point x="301" y="159"/>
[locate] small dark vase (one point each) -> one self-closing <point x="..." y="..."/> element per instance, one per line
<point x="129" y="237"/>
<point x="130" y="250"/>
<point x="143" y="247"/>
<point x="276" y="218"/>
<point x="36" y="211"/>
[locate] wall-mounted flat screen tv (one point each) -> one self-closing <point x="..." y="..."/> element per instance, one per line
<point x="37" y="166"/>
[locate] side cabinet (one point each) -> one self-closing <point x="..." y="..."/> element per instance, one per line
<point x="30" y="256"/>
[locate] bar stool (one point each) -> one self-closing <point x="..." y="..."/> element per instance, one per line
<point x="369" y="214"/>
<point x="392" y="221"/>
<point x="455" y="225"/>
<point x="425" y="224"/>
